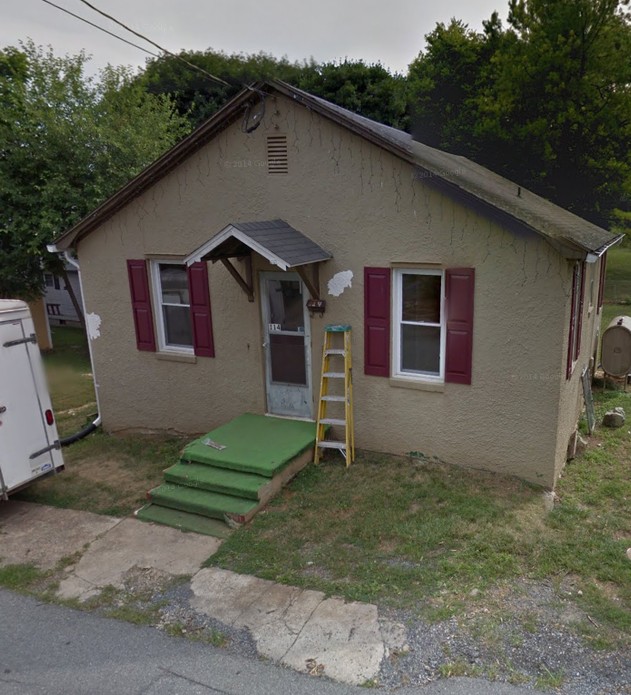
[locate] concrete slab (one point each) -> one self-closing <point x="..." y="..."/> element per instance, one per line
<point x="278" y="617"/>
<point x="342" y="637"/>
<point x="225" y="595"/>
<point x="395" y="637"/>
<point x="298" y="628"/>
<point x="134" y="543"/>
<point x="44" y="535"/>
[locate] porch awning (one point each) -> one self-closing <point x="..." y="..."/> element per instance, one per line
<point x="275" y="240"/>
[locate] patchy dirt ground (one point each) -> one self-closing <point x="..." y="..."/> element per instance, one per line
<point x="525" y="633"/>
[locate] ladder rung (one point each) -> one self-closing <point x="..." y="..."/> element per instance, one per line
<point x="335" y="399"/>
<point x="333" y="375"/>
<point x="335" y="351"/>
<point x="330" y="444"/>
<point x="332" y="421"/>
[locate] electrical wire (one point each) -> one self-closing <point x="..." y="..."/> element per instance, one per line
<point x="153" y="43"/>
<point x="96" y="26"/>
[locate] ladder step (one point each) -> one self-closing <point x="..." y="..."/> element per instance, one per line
<point x="335" y="399"/>
<point x="333" y="375"/>
<point x="332" y="421"/>
<point x="335" y="351"/>
<point x="330" y="444"/>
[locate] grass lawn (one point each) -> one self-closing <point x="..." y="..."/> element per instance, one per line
<point x="421" y="535"/>
<point x="104" y="474"/>
<point x="618" y="286"/>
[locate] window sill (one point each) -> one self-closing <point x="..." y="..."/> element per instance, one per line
<point x="401" y="383"/>
<point x="176" y="357"/>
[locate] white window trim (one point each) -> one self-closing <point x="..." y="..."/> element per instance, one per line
<point x="397" y="311"/>
<point x="156" y="294"/>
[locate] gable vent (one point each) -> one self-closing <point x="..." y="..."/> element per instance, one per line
<point x="277" y="154"/>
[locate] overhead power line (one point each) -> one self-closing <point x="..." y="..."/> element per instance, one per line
<point x="153" y="43"/>
<point x="96" y="26"/>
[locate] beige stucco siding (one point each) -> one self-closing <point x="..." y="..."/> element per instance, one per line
<point x="367" y="208"/>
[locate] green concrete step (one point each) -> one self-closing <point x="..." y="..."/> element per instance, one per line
<point x="195" y="501"/>
<point x="253" y="444"/>
<point x="223" y="480"/>
<point x="185" y="521"/>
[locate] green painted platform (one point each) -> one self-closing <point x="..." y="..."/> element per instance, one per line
<point x="221" y="480"/>
<point x="209" y="487"/>
<point x="185" y="521"/>
<point x="254" y="444"/>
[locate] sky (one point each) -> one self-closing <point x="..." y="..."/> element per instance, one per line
<point x="389" y="32"/>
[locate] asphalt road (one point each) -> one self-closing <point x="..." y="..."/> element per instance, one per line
<point x="52" y="650"/>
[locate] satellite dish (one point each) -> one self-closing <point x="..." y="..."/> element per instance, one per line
<point x="253" y="116"/>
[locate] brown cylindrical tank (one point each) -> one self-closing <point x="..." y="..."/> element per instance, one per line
<point x="615" y="354"/>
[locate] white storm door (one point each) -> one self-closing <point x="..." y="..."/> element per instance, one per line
<point x="287" y="343"/>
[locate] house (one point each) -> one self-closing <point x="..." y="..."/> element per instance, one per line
<point x="59" y="307"/>
<point x="474" y="303"/>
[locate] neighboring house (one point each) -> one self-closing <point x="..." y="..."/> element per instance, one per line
<point x="59" y="306"/>
<point x="474" y="303"/>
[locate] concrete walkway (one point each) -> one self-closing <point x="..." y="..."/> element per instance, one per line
<point x="296" y="628"/>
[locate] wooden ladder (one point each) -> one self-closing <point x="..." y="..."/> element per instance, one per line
<point x="332" y="352"/>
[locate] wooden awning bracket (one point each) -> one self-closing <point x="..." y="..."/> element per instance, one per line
<point x="246" y="283"/>
<point x="312" y="283"/>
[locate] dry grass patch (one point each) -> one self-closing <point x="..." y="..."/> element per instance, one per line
<point x="107" y="474"/>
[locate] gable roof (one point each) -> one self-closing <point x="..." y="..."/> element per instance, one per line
<point x="275" y="240"/>
<point x="573" y="236"/>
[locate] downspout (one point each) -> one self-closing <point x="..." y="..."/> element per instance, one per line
<point x="65" y="441"/>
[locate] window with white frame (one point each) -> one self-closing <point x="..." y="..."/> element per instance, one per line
<point x="576" y="311"/>
<point x="418" y="325"/>
<point x="172" y="305"/>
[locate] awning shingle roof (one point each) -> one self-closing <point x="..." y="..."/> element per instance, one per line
<point x="275" y="240"/>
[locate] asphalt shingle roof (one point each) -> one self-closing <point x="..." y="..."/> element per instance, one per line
<point x="274" y="239"/>
<point x="566" y="231"/>
<point x="541" y="215"/>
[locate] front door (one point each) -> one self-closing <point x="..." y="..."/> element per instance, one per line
<point x="287" y="343"/>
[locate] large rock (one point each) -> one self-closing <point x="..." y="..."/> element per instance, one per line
<point x="614" y="418"/>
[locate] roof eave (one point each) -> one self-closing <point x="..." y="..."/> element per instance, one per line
<point x="604" y="248"/>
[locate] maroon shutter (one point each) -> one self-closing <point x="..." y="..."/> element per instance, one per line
<point x="377" y="321"/>
<point x="579" y="323"/>
<point x="141" y="304"/>
<point x="570" y="346"/>
<point x="460" y="283"/>
<point x="601" y="281"/>
<point x="201" y="316"/>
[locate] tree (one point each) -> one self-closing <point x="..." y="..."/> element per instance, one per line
<point x="545" y="102"/>
<point x="197" y="97"/>
<point x="370" y="90"/>
<point x="67" y="142"/>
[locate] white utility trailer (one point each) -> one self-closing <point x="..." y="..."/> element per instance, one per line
<point x="29" y="445"/>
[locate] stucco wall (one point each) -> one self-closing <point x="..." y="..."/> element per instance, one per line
<point x="369" y="209"/>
